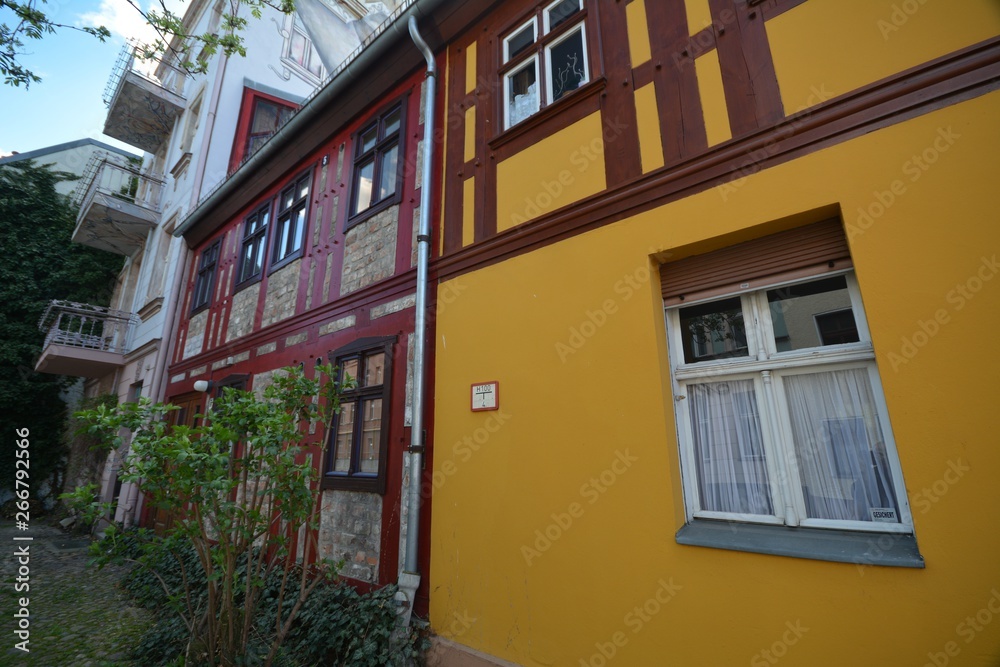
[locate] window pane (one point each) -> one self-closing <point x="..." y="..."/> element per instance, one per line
<point x="364" y="186"/>
<point x="391" y="123"/>
<point x="368" y="139"/>
<point x="562" y="11"/>
<point x="298" y="229"/>
<point x="258" y="265"/>
<point x="520" y="40"/>
<point x="728" y="448"/>
<point x="297" y="50"/>
<point x="567" y="65"/>
<point x="246" y="262"/>
<point x="840" y="447"/>
<point x="371" y="436"/>
<point x="713" y="331"/>
<point x="387" y="177"/>
<point x="812" y="314"/>
<point x="522" y="93"/>
<point x="374" y="369"/>
<point x="303" y="188"/>
<point x="284" y="113"/>
<point x="344" y="438"/>
<point x="349" y="369"/>
<point x="265" y="117"/>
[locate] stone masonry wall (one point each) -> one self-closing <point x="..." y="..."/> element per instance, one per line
<point x="350" y="529"/>
<point x="370" y="251"/>
<point x="282" y="292"/>
<point x="195" y="334"/>
<point x="242" y="314"/>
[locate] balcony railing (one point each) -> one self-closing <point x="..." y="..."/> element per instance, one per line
<point x="84" y="340"/>
<point x="129" y="62"/>
<point x="144" y="97"/>
<point x="118" y="204"/>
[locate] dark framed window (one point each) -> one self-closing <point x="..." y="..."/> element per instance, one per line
<point x="543" y="58"/>
<point x="254" y="245"/>
<point x="357" y="451"/>
<point x="376" y="179"/>
<point x="205" y="281"/>
<point x="290" y="223"/>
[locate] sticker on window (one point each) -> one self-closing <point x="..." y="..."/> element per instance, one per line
<point x="884" y="514"/>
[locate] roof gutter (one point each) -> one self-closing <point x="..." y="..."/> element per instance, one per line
<point x="367" y="58"/>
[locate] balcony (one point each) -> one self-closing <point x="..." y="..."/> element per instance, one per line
<point x="83" y="340"/>
<point x="117" y="204"/>
<point x="143" y="97"/>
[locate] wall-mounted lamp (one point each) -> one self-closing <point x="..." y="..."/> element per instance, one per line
<point x="202" y="385"/>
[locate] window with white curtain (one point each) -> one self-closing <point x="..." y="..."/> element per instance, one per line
<point x="780" y="413"/>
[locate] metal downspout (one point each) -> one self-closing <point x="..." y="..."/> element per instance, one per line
<point x="411" y="570"/>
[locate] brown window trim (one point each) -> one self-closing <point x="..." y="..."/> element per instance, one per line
<point x="353" y="481"/>
<point x="275" y="263"/>
<point x="549" y="120"/>
<point x="207" y="273"/>
<point x="357" y="218"/>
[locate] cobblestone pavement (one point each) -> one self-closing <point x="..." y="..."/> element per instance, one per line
<point x="78" y="617"/>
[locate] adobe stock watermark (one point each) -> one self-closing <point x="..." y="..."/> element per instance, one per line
<point x="463" y="450"/>
<point x="754" y="160"/>
<point x="460" y="624"/>
<point x="780" y="647"/>
<point x="957" y="298"/>
<point x="635" y="620"/>
<point x="913" y="170"/>
<point x="594" y="319"/>
<point x="899" y="16"/>
<point x="582" y="158"/>
<point x="968" y="629"/>
<point x="924" y="500"/>
<point x="591" y="491"/>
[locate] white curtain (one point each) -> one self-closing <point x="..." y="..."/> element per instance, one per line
<point x="729" y="453"/>
<point x="839" y="445"/>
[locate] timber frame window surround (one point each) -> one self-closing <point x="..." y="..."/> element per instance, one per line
<point x="290" y="222"/>
<point x="377" y="174"/>
<point x="253" y="248"/>
<point x="205" y="281"/>
<point x="358" y="449"/>
<point x="781" y="420"/>
<point x="544" y="59"/>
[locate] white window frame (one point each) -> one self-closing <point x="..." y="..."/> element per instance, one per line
<point x="549" y="91"/>
<point x="517" y="31"/>
<point x="767" y="368"/>
<point x="543" y="51"/>
<point x="533" y="61"/>
<point x="548" y="11"/>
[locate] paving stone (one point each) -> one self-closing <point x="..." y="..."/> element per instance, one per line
<point x="78" y="615"/>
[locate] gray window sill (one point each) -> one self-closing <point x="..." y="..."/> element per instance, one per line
<point x="860" y="548"/>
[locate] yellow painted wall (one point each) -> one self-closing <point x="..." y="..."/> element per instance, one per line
<point x="555" y="172"/>
<point x="648" y="122"/>
<point x="469" y="211"/>
<point x="566" y="417"/>
<point x="638" y="32"/>
<point x="713" y="97"/>
<point x="825" y="48"/>
<point x="699" y="15"/>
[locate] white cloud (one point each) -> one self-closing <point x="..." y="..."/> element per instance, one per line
<point x="125" y="21"/>
<point x="4" y="153"/>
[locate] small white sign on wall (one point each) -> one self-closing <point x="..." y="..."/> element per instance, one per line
<point x="485" y="396"/>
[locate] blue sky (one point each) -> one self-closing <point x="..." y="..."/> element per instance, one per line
<point x="66" y="105"/>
